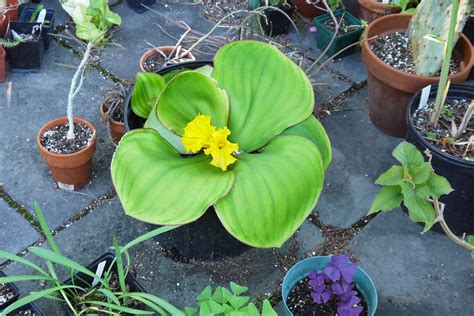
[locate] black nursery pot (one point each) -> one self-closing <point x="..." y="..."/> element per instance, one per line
<point x="83" y="280"/>
<point x="14" y="289"/>
<point x="27" y="56"/>
<point x="275" y="22"/>
<point x="28" y="309"/>
<point x="206" y="238"/>
<point x="136" y="5"/>
<point x="47" y="28"/>
<point x="459" y="211"/>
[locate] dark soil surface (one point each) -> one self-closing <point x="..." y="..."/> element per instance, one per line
<point x="6" y="294"/>
<point x="394" y="49"/>
<point x="440" y="136"/>
<point x="301" y="303"/>
<point x="55" y="141"/>
<point x="154" y="63"/>
<point x="344" y="27"/>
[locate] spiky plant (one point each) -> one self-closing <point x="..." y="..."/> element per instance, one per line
<point x="432" y="18"/>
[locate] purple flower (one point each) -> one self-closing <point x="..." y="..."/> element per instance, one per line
<point x="347" y="305"/>
<point x="341" y="287"/>
<point x="340" y="266"/>
<point x="321" y="291"/>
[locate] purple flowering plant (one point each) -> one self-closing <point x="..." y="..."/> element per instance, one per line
<point x="335" y="281"/>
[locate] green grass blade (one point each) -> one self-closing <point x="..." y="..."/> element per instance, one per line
<point x="22" y="278"/>
<point x="120" y="272"/>
<point x="147" y="236"/>
<point x="119" y="308"/>
<point x="45" y="228"/>
<point x="110" y="295"/>
<point x="158" y="301"/>
<point x="151" y="305"/>
<point x="23" y="261"/>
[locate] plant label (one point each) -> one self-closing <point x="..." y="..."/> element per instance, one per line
<point x="425" y="94"/>
<point x="99" y="272"/>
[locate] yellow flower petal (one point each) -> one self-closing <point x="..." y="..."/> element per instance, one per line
<point x="197" y="133"/>
<point x="221" y="149"/>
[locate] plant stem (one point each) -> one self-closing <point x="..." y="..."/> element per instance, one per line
<point x="449" y="45"/>
<point x="465" y="121"/>
<point x="75" y="87"/>
<point x="439" y="213"/>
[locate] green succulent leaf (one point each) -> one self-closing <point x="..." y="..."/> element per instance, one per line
<point x="268" y="92"/>
<point x="148" y="87"/>
<point x="392" y="176"/>
<point x="387" y="199"/>
<point x="438" y="186"/>
<point x="420" y="174"/>
<point x="189" y="94"/>
<point x="313" y="130"/>
<point x="154" y="123"/>
<point x="267" y="309"/>
<point x="238" y="301"/>
<point x="408" y="155"/>
<point x="189" y="311"/>
<point x="237" y="289"/>
<point x="252" y="310"/>
<point x="206" y="294"/>
<point x="419" y="209"/>
<point x="145" y="166"/>
<point x="274" y="192"/>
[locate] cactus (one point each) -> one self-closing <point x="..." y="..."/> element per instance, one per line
<point x="432" y="18"/>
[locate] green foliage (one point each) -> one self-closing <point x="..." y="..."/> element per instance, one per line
<point x="10" y="43"/>
<point x="266" y="102"/>
<point x="228" y="302"/>
<point x="403" y="5"/>
<point x="414" y="183"/>
<point x="110" y="300"/>
<point x="433" y="18"/>
<point x="470" y="239"/>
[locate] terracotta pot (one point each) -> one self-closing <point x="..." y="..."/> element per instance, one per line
<point x="372" y="9"/>
<point x="307" y="10"/>
<point x="390" y="88"/>
<point x="167" y="50"/>
<point x="10" y="14"/>
<point x="70" y="171"/>
<point x="117" y="129"/>
<point x="3" y="65"/>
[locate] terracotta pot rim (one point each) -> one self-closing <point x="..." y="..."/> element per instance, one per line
<point x="377" y="62"/>
<point x="60" y="121"/>
<point x="152" y="52"/>
<point x="102" y="112"/>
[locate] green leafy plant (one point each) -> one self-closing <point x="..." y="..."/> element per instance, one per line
<point x="264" y="105"/>
<point x="415" y="184"/>
<point x="100" y="296"/>
<point x="403" y="5"/>
<point x="228" y="302"/>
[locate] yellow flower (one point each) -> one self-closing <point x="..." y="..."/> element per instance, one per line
<point x="221" y="149"/>
<point x="198" y="133"/>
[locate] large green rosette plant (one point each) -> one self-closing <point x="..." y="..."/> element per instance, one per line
<point x="265" y="102"/>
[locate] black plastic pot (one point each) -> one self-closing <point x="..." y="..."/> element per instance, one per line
<point x="85" y="281"/>
<point x="324" y="34"/>
<point x="14" y="289"/>
<point x="206" y="238"/>
<point x="136" y="5"/>
<point x="28" y="307"/>
<point x="48" y="26"/>
<point x="275" y="22"/>
<point x="459" y="211"/>
<point x="27" y="56"/>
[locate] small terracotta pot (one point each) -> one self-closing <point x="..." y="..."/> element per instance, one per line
<point x="117" y="129"/>
<point x="389" y="88"/>
<point x="70" y="171"/>
<point x="10" y="14"/>
<point x="3" y="65"/>
<point x="307" y="10"/>
<point x="371" y="10"/>
<point x="167" y="50"/>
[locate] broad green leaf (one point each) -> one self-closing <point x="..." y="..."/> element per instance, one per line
<point x="470" y="239"/>
<point x="313" y="130"/>
<point x="206" y="294"/>
<point x="392" y="176"/>
<point x="145" y="167"/>
<point x="420" y="174"/>
<point x="174" y="140"/>
<point x="148" y="87"/>
<point x="438" y="185"/>
<point x="89" y="32"/>
<point x="274" y="192"/>
<point x="205" y="70"/>
<point x="113" y="18"/>
<point x="422" y="191"/>
<point x="267" y="309"/>
<point x="170" y="75"/>
<point x="237" y="289"/>
<point x="408" y="155"/>
<point x="189" y="94"/>
<point x="387" y="199"/>
<point x="419" y="209"/>
<point x="268" y="92"/>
